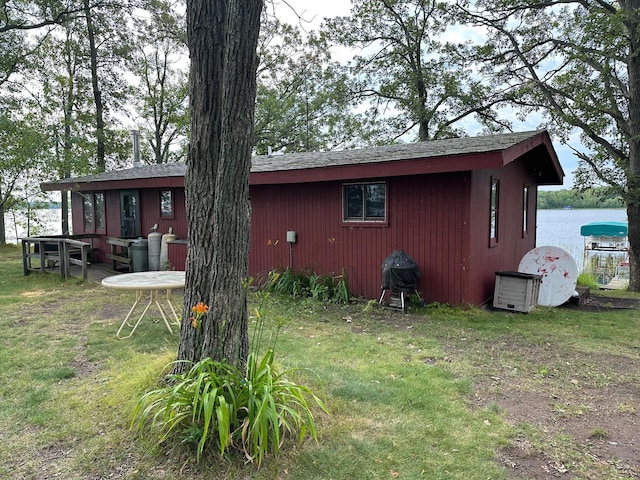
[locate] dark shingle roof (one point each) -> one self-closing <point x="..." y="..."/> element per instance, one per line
<point x="310" y="160"/>
<point x="405" y="151"/>
<point x="145" y="171"/>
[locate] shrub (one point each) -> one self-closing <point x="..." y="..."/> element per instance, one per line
<point x="586" y="280"/>
<point x="217" y="405"/>
<point x="306" y="283"/>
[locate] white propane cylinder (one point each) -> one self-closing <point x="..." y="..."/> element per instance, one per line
<point x="155" y="241"/>
<point x="164" y="249"/>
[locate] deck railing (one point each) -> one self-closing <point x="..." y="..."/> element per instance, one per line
<point x="52" y="251"/>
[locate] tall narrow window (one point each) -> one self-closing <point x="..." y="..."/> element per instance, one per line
<point x="93" y="212"/>
<point x="166" y="203"/>
<point x="525" y="210"/>
<point x="364" y="202"/>
<point x="87" y="212"/>
<point x="493" y="215"/>
<point x="99" y="210"/>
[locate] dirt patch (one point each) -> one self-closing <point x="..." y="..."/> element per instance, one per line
<point x="33" y="293"/>
<point x="576" y="413"/>
<point x="600" y="302"/>
<point x="583" y="407"/>
<point x="80" y="364"/>
<point x="593" y="424"/>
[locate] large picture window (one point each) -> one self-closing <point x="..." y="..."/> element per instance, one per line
<point x="493" y="212"/>
<point x="365" y="202"/>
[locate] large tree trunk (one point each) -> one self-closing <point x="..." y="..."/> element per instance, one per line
<point x="633" y="167"/>
<point x="223" y="36"/>
<point x="97" y="94"/>
<point x="3" y="233"/>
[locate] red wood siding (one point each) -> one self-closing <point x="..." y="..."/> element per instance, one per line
<point x="440" y="220"/>
<point x="511" y="246"/>
<point x="150" y="212"/>
<point x="427" y="218"/>
<point x="149" y="215"/>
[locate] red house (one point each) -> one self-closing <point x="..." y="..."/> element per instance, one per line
<point x="462" y="208"/>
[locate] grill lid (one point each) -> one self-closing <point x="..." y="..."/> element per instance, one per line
<point x="400" y="272"/>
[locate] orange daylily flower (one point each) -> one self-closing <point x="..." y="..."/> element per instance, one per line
<point x="200" y="309"/>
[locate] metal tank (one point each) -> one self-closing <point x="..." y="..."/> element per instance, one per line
<point x="164" y="249"/>
<point x="155" y="240"/>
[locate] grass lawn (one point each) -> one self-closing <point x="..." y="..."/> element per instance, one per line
<point x="440" y="393"/>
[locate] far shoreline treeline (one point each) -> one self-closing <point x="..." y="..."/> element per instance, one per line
<point x="593" y="198"/>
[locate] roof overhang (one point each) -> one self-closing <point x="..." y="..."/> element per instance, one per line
<point x="439" y="156"/>
<point x="540" y="158"/>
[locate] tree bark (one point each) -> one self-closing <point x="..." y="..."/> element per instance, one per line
<point x="223" y="36"/>
<point x="632" y="22"/>
<point x="3" y="233"/>
<point x="97" y="94"/>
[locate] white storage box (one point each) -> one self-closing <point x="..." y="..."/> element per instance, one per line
<point x="516" y="291"/>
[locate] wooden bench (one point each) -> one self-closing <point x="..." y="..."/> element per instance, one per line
<point x="120" y="252"/>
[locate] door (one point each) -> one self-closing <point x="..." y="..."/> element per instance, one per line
<point x="130" y="213"/>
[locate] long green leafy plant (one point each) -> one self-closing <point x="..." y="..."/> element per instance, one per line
<point x="307" y="283"/>
<point x="215" y="405"/>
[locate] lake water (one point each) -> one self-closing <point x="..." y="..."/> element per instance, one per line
<point x="49" y="218"/>
<point x="560" y="228"/>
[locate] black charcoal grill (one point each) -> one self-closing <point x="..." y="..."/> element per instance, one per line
<point x="400" y="276"/>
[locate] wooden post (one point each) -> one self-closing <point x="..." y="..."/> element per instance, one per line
<point x="65" y="266"/>
<point x="84" y="256"/>
<point x="43" y="257"/>
<point x="26" y="260"/>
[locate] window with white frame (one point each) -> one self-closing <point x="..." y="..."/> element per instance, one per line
<point x="166" y="203"/>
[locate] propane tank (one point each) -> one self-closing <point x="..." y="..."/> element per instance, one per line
<point x="164" y="249"/>
<point x="155" y="240"/>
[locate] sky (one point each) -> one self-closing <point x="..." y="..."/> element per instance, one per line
<point x="315" y="12"/>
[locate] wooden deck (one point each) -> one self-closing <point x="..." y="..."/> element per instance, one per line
<point x="95" y="272"/>
<point x="616" y="283"/>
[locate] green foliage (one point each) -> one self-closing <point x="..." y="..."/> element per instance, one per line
<point x="162" y="94"/>
<point x="410" y="79"/>
<point x="591" y="198"/>
<point x="303" y="100"/>
<point x="216" y="405"/>
<point x="586" y="280"/>
<point x="307" y="283"/>
<point x="23" y="154"/>
<point x="572" y="63"/>
<point x="399" y="387"/>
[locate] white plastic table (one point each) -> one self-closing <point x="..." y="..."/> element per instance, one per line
<point x="150" y="282"/>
